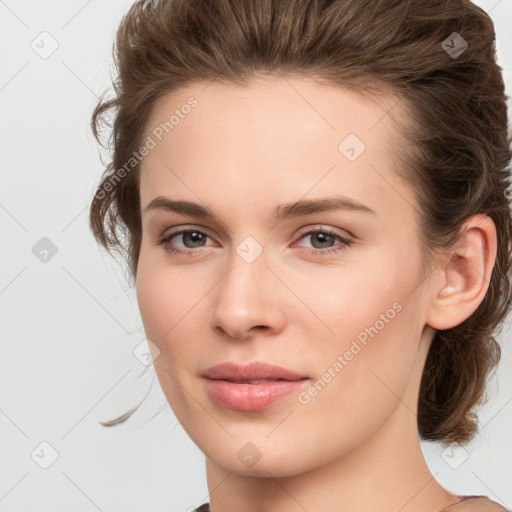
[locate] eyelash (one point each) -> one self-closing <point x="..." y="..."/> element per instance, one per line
<point x="165" y="239"/>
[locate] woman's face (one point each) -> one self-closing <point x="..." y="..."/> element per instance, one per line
<point x="260" y="281"/>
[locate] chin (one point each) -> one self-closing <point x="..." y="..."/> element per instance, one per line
<point x="274" y="466"/>
<point x="257" y="459"/>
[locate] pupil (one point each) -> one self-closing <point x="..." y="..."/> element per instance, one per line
<point x="196" y="237"/>
<point x="324" y="236"/>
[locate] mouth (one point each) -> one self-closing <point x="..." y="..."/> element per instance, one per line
<point x="252" y="395"/>
<point x="251" y="387"/>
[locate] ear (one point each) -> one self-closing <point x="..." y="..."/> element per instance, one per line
<point x="464" y="278"/>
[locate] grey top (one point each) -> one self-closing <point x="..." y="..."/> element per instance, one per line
<point x="205" y="507"/>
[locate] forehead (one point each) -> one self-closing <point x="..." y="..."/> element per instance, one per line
<point x="273" y="102"/>
<point x="274" y="132"/>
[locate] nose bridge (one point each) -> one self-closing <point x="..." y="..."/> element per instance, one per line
<point x="245" y="296"/>
<point x="242" y="286"/>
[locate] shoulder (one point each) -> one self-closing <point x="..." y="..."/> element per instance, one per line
<point x="476" y="504"/>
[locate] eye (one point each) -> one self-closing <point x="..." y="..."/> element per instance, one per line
<point x="194" y="239"/>
<point x="322" y="239"/>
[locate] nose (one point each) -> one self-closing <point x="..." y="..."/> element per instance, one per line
<point x="247" y="300"/>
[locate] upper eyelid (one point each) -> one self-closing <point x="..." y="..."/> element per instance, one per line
<point x="327" y="229"/>
<point x="178" y="230"/>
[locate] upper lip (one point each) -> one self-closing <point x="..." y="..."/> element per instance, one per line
<point x="252" y="371"/>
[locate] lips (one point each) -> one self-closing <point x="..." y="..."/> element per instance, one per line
<point x="252" y="387"/>
<point x="251" y="373"/>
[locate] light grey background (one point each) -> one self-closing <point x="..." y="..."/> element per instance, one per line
<point x="70" y="325"/>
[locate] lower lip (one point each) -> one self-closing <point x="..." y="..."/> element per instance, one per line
<point x="251" y="397"/>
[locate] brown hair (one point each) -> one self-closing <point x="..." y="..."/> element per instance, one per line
<point x="456" y="147"/>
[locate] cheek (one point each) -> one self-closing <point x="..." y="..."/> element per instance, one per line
<point x="348" y="302"/>
<point x="362" y="384"/>
<point x="373" y="337"/>
<point x="163" y="310"/>
<point x="163" y="307"/>
<point x="152" y="303"/>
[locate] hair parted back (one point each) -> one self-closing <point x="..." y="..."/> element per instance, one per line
<point x="456" y="150"/>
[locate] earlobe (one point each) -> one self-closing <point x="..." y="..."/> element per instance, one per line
<point x="465" y="278"/>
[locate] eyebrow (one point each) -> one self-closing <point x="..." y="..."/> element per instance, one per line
<point x="284" y="211"/>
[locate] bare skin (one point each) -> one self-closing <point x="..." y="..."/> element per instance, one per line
<point x="242" y="152"/>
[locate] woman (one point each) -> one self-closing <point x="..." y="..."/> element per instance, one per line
<point x="313" y="196"/>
